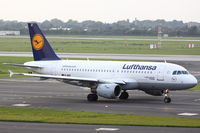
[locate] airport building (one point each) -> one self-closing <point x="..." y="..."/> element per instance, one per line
<point x="9" y="33"/>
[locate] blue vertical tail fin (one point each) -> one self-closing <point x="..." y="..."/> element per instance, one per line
<point x="40" y="46"/>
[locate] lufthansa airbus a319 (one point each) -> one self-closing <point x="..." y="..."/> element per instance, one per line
<point x="108" y="79"/>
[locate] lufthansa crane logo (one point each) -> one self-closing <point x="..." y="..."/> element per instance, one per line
<point x="37" y="41"/>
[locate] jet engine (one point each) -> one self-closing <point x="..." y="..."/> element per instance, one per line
<point x="110" y="91"/>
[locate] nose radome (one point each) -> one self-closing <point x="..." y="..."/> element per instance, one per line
<point x="196" y="81"/>
<point x="193" y="81"/>
<point x="189" y="81"/>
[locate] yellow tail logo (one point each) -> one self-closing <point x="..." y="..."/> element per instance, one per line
<point x="37" y="42"/>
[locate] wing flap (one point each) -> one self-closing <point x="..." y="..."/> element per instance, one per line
<point x="112" y="81"/>
<point x="54" y="76"/>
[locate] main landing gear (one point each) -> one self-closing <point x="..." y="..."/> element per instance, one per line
<point x="124" y="95"/>
<point x="92" y="97"/>
<point x="167" y="99"/>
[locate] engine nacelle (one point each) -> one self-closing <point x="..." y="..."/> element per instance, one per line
<point x="110" y="91"/>
<point x="154" y="92"/>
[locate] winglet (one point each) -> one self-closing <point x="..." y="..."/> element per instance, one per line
<point x="11" y="73"/>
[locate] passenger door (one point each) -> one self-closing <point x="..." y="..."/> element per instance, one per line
<point x="160" y="74"/>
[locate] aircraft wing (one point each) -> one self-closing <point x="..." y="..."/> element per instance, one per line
<point x="67" y="78"/>
<point x="21" y="65"/>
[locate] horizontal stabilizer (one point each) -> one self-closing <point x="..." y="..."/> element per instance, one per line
<point x="21" y="65"/>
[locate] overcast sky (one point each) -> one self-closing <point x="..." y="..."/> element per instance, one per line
<point x="100" y="10"/>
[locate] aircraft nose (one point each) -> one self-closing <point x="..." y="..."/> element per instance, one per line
<point x="192" y="81"/>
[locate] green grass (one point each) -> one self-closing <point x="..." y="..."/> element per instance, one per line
<point x="65" y="45"/>
<point x="73" y="117"/>
<point x="125" y="37"/>
<point x="17" y="60"/>
<point x="196" y="87"/>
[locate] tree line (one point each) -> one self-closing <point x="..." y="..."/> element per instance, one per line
<point x="123" y="27"/>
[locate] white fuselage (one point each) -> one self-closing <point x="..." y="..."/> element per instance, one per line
<point x="137" y="75"/>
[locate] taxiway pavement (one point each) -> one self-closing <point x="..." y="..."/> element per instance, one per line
<point x="55" y="95"/>
<point x="21" y="127"/>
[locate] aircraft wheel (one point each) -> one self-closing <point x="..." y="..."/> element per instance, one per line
<point x="92" y="97"/>
<point x="124" y="95"/>
<point x="167" y="99"/>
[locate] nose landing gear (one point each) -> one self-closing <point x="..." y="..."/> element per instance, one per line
<point x="167" y="99"/>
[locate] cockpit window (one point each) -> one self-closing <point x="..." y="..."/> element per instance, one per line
<point x="180" y="73"/>
<point x="184" y="72"/>
<point x="174" y="73"/>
